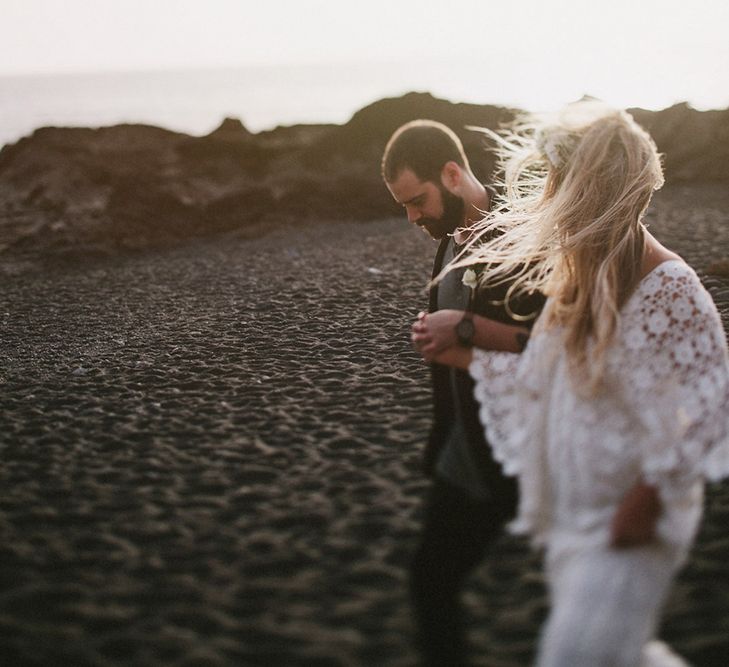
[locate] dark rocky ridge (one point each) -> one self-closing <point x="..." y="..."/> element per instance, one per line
<point x="103" y="190"/>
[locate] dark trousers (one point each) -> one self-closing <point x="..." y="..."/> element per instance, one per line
<point x="457" y="532"/>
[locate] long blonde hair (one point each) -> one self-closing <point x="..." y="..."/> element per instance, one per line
<point x="575" y="187"/>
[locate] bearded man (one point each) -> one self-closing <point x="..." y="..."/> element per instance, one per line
<point x="426" y="170"/>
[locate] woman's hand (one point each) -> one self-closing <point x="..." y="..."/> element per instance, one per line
<point x="635" y="520"/>
<point x="434" y="333"/>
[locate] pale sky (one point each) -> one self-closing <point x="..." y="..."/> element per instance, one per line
<point x="663" y="50"/>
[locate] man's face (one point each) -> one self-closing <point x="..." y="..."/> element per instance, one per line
<point x="427" y="204"/>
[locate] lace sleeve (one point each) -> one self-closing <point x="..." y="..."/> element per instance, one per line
<point x="496" y="391"/>
<point x="677" y="380"/>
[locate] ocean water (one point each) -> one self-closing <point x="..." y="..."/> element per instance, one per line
<point x="196" y="101"/>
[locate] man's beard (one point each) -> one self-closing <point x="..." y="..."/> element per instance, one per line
<point x="452" y="218"/>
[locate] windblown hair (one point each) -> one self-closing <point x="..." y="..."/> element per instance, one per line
<point x="569" y="224"/>
<point x="424" y="146"/>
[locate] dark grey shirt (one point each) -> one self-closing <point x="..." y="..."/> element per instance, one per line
<point x="455" y="463"/>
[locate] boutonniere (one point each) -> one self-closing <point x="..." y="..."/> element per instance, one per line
<point x="472" y="276"/>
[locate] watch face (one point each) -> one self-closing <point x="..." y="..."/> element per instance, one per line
<point x="465" y="331"/>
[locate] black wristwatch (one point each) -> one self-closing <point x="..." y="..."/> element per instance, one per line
<point x="465" y="329"/>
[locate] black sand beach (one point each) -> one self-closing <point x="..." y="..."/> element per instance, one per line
<point x="210" y="456"/>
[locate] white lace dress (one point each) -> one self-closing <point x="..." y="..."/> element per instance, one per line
<point x="664" y="416"/>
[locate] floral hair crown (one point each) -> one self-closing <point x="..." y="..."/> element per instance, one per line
<point x="556" y="144"/>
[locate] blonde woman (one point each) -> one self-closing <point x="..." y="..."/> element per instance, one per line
<point x="615" y="413"/>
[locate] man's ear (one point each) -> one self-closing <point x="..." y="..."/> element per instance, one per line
<point x="450" y="176"/>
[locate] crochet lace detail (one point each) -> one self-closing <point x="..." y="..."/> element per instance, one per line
<point x="662" y="414"/>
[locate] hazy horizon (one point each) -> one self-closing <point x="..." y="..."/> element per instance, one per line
<point x="419" y="82"/>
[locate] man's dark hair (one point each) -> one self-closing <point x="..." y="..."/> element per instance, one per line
<point x="422" y="146"/>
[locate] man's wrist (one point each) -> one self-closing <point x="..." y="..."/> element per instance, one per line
<point x="465" y="330"/>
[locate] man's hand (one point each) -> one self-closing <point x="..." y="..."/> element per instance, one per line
<point x="433" y="333"/>
<point x="634" y="522"/>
